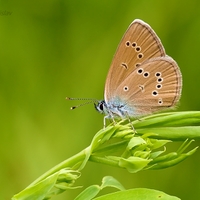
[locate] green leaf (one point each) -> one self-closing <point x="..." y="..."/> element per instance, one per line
<point x="52" y="185"/>
<point x="173" y="133"/>
<point x="169" y="119"/>
<point x="133" y="164"/>
<point x="91" y="191"/>
<point x="156" y="154"/>
<point x="138" y="194"/>
<point x="174" y="160"/>
<point x="155" y="144"/>
<point x="109" y="181"/>
<point x="135" y="141"/>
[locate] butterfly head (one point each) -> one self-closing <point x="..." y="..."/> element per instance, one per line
<point x="101" y="106"/>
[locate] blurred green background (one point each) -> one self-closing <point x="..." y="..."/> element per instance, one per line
<point x="53" y="49"/>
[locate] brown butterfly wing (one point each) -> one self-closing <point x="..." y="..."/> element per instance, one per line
<point x="154" y="86"/>
<point x="139" y="44"/>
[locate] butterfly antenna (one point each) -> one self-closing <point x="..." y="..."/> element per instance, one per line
<point x="83" y="104"/>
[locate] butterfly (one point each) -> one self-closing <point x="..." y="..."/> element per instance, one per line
<point x="142" y="79"/>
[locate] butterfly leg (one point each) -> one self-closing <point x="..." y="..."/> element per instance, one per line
<point x="104" y="122"/>
<point x="112" y="117"/>
<point x="106" y="117"/>
<point x="130" y="123"/>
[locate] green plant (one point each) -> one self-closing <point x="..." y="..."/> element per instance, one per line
<point x="120" y="146"/>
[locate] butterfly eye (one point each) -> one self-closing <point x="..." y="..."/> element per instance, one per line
<point x="101" y="106"/>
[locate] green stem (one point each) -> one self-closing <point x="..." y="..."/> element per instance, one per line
<point x="103" y="161"/>
<point x="73" y="162"/>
